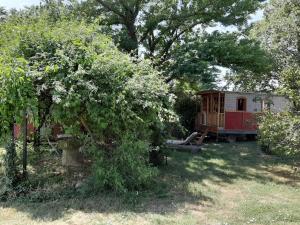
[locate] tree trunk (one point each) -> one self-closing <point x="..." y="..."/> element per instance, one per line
<point x="44" y="105"/>
<point x="133" y="36"/>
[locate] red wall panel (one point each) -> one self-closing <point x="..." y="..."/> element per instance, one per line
<point x="240" y="121"/>
<point x="17" y="130"/>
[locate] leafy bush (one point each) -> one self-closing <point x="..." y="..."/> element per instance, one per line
<point x="125" y="168"/>
<point x="280" y="133"/>
<point x="96" y="92"/>
<point x="186" y="108"/>
<point x="10" y="162"/>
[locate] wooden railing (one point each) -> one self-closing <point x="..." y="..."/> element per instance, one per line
<point x="212" y="119"/>
<point x="222" y="120"/>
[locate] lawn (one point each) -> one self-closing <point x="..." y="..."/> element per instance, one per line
<point x="224" y="184"/>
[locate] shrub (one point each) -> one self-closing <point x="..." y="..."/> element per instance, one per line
<point x="94" y="91"/>
<point x="10" y="161"/>
<point x="125" y="168"/>
<point x="186" y="107"/>
<point x="280" y="133"/>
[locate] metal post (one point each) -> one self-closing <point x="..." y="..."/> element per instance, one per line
<point x="25" y="123"/>
<point x="218" y="117"/>
<point x="219" y="105"/>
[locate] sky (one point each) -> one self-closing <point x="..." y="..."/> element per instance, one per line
<point x="18" y="4"/>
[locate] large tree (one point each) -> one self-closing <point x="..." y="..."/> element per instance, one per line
<point x="279" y="33"/>
<point x="198" y="57"/>
<point x="158" y="29"/>
<point x="157" y="25"/>
<point x="171" y="33"/>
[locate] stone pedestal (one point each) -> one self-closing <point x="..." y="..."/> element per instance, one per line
<point x="70" y="146"/>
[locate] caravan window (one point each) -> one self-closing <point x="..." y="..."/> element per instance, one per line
<point x="241" y="104"/>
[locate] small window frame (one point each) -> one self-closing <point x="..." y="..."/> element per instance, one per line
<point x="244" y="106"/>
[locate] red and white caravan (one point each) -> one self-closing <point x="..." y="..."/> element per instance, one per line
<point x="235" y="113"/>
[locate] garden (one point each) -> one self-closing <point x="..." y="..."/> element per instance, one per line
<point x="90" y="92"/>
<point x="225" y="184"/>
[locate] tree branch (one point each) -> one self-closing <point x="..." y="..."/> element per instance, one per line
<point x="112" y="9"/>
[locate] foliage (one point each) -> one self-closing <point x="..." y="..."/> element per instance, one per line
<point x="3" y="14"/>
<point x="198" y="57"/>
<point x="15" y="92"/>
<point x="162" y="23"/>
<point x="82" y="81"/>
<point x="9" y="178"/>
<point x="106" y="98"/>
<point x="290" y="79"/>
<point x="161" y="30"/>
<point x="279" y="31"/>
<point x="170" y="33"/>
<point x="280" y="133"/>
<point x="15" y="88"/>
<point x="10" y="162"/>
<point x="125" y="168"/>
<point x="187" y="107"/>
<point x="279" y="35"/>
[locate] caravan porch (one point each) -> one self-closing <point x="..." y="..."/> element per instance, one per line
<point x="213" y="114"/>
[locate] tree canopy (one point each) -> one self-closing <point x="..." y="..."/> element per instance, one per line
<point x="279" y="34"/>
<point x="198" y="58"/>
<point x="162" y="30"/>
<point x="158" y="25"/>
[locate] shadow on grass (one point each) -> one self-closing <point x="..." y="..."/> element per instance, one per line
<point x="185" y="180"/>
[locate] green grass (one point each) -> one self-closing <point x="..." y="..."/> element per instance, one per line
<point x="225" y="184"/>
